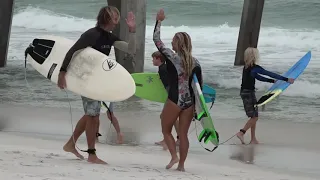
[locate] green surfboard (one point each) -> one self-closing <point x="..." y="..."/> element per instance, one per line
<point x="202" y="114"/>
<point x="150" y="87"/>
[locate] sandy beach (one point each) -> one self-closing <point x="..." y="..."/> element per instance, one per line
<point x="34" y="158"/>
<point x="31" y="148"/>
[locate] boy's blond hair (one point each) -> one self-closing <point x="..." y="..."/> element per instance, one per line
<point x="251" y="56"/>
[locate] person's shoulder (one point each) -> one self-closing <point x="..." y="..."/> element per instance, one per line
<point x="196" y="62"/>
<point x="113" y="36"/>
<point x="257" y="66"/>
<point x="92" y="32"/>
<point x="163" y="67"/>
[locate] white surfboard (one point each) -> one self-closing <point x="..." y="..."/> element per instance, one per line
<point x="90" y="73"/>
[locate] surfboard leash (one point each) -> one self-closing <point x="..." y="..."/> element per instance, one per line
<point x="70" y="113"/>
<point x="28" y="50"/>
<point x="72" y="129"/>
<point x="29" y="87"/>
<point x="195" y="123"/>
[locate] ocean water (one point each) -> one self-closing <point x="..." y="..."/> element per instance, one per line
<point x="289" y="29"/>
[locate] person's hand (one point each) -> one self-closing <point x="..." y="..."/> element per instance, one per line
<point x="131" y="22"/>
<point x="290" y="80"/>
<point x="160" y="15"/>
<point x="62" y="80"/>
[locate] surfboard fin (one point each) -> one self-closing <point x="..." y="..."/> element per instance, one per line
<point x="207" y="135"/>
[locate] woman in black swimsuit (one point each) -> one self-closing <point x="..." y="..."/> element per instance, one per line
<point x="181" y="66"/>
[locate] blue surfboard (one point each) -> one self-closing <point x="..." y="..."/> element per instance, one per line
<point x="280" y="86"/>
<point x="209" y="93"/>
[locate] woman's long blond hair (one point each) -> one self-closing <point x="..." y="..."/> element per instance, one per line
<point x="184" y="50"/>
<point x="251" y="56"/>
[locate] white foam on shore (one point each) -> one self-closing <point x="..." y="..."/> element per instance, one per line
<point x="32" y="158"/>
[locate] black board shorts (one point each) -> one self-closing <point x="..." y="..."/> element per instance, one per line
<point x="249" y="100"/>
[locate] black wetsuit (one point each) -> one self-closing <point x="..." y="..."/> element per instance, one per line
<point x="180" y="91"/>
<point x="102" y="41"/>
<point x="96" y="38"/>
<point x="163" y="73"/>
<point x="251" y="73"/>
<point x="247" y="93"/>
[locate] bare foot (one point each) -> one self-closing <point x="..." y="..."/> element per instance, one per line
<point x="120" y="138"/>
<point x="172" y="162"/>
<point x="181" y="168"/>
<point x="94" y="159"/>
<point x="254" y="141"/>
<point x="70" y="148"/>
<point x="164" y="145"/>
<point x="159" y="143"/>
<point x="240" y="136"/>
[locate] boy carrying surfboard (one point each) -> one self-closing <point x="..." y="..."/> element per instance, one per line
<point x="158" y="60"/>
<point x="252" y="71"/>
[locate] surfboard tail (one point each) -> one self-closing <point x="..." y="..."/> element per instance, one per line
<point x="39" y="49"/>
<point x="268" y="97"/>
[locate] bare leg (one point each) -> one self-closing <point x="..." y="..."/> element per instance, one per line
<point x="98" y="128"/>
<point x="159" y="142"/>
<point x="170" y="114"/>
<point x="162" y="142"/>
<point x="116" y="126"/>
<point x="186" y="117"/>
<point x="176" y="127"/>
<point x="253" y="134"/>
<point x="70" y="145"/>
<point x="248" y="125"/>
<point x="91" y="130"/>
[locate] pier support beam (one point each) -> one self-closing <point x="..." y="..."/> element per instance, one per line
<point x="249" y="28"/>
<point x="6" y="11"/>
<point x="138" y="7"/>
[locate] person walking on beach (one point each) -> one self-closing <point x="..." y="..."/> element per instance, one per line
<point x="252" y="71"/>
<point x="99" y="38"/>
<point x="114" y="121"/>
<point x="159" y="60"/>
<point x="180" y="103"/>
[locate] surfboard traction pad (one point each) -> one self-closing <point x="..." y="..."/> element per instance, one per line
<point x="264" y="98"/>
<point x="40" y="49"/>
